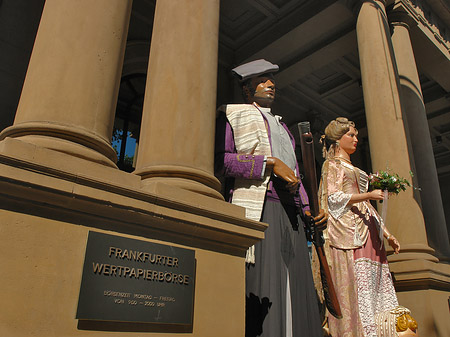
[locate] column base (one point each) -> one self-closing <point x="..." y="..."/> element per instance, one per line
<point x="66" y="139"/>
<point x="423" y="287"/>
<point x="420" y="274"/>
<point x="411" y="252"/>
<point x="187" y="178"/>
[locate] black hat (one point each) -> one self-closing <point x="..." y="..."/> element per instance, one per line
<point x="253" y="69"/>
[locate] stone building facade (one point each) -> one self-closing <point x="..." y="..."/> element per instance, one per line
<point x="73" y="73"/>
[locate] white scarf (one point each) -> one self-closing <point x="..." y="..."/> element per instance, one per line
<point x="250" y="137"/>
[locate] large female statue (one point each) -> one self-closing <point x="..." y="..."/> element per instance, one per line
<point x="358" y="260"/>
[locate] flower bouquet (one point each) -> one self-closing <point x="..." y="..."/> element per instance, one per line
<point x="390" y="184"/>
<point x="385" y="181"/>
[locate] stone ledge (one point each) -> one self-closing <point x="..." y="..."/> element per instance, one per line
<point x="47" y="183"/>
<point x="420" y="274"/>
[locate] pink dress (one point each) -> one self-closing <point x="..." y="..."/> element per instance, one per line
<point x="358" y="262"/>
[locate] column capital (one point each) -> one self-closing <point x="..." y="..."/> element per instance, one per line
<point x="397" y="23"/>
<point x="399" y="17"/>
<point x="355" y="5"/>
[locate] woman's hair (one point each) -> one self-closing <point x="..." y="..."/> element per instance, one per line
<point x="405" y="321"/>
<point x="337" y="128"/>
<point x="333" y="132"/>
<point x="394" y="321"/>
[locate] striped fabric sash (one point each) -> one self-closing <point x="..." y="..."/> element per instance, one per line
<point x="250" y="137"/>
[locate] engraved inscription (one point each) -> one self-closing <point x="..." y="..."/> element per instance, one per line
<point x="128" y="280"/>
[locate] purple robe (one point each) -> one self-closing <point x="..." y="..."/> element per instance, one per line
<point x="229" y="164"/>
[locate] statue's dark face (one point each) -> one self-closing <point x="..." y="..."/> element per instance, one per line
<point x="263" y="90"/>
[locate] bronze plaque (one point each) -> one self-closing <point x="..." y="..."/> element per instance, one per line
<point x="127" y="280"/>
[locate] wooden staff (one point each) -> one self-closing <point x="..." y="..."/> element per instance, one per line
<point x="310" y="182"/>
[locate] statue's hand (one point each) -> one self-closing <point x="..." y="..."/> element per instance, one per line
<point x="393" y="242"/>
<point x="320" y="221"/>
<point x="281" y="170"/>
<point x="376" y="195"/>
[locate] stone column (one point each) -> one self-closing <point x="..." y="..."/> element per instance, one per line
<point x="419" y="135"/>
<point x="69" y="96"/>
<point x="387" y="137"/>
<point x="176" y="145"/>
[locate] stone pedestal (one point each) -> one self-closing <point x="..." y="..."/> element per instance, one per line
<point x="69" y="96"/>
<point x="177" y="134"/>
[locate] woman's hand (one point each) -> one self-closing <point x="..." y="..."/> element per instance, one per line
<point x="393" y="242"/>
<point x="281" y="170"/>
<point x="376" y="195"/>
<point x="372" y="195"/>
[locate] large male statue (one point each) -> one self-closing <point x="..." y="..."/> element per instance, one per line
<point x="255" y="155"/>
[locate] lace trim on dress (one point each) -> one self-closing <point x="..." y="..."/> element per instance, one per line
<point x="375" y="292"/>
<point x="363" y="181"/>
<point x="338" y="204"/>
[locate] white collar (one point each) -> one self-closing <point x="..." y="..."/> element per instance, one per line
<point x="267" y="110"/>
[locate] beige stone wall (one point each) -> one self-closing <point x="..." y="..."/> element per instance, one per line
<point x="42" y="261"/>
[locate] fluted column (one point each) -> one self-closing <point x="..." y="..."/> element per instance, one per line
<point x="387" y="137"/>
<point x="69" y="96"/>
<point x="176" y="145"/>
<point x="420" y="139"/>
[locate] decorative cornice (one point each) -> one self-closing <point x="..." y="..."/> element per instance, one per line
<point x="415" y="15"/>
